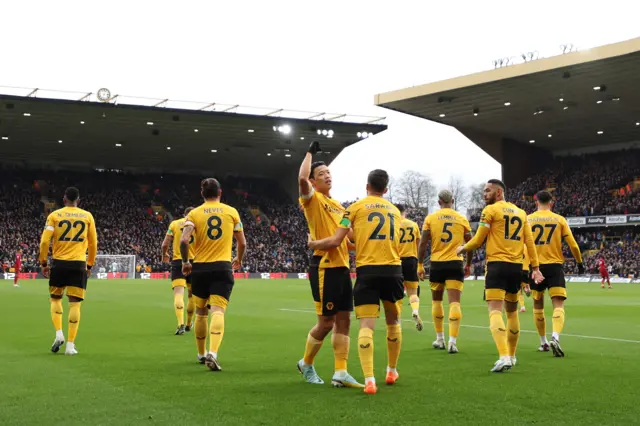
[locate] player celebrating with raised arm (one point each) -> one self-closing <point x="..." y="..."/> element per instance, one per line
<point x="376" y="229"/>
<point x="447" y="230"/>
<point x="329" y="273"/>
<point x="73" y="231"/>
<point x="549" y="230"/>
<point x="178" y="280"/>
<point x="505" y="228"/>
<point x="215" y="225"/>
<point x="409" y="242"/>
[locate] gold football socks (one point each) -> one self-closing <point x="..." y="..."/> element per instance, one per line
<point x="499" y="332"/>
<point x="201" y="333"/>
<point x="56" y="313"/>
<point x="340" y="344"/>
<point x="216" y="331"/>
<point x="394" y="343"/>
<point x="311" y="349"/>
<point x="365" y="351"/>
<point x="513" y="331"/>
<point x="74" y="320"/>
<point x="455" y="316"/>
<point x="178" y="306"/>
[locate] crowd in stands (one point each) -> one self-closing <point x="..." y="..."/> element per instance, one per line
<point x="132" y="212"/>
<point x="586" y="185"/>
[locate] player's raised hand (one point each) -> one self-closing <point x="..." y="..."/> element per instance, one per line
<point x="236" y="264"/>
<point x="537" y="276"/>
<point x="314" y="148"/>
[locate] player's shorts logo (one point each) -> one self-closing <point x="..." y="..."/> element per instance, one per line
<point x="330" y="306"/>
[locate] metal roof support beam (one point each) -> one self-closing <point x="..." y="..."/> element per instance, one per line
<point x="316" y="116"/>
<point x="161" y="103"/>
<point x="230" y="108"/>
<point x="208" y="106"/>
<point x="85" y="97"/>
<point x="336" y="117"/>
<point x="32" y="93"/>
<point x="114" y="99"/>
<point x="274" y="112"/>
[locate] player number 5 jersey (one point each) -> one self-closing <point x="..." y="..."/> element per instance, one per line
<point x="447" y="228"/>
<point x="214" y="225"/>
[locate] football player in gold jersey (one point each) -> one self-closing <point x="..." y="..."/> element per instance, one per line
<point x="329" y="273"/>
<point x="376" y="229"/>
<point x="447" y="230"/>
<point x="505" y="228"/>
<point x="178" y="280"/>
<point x="409" y="242"/>
<point x="73" y="231"/>
<point x="215" y="225"/>
<point x="549" y="231"/>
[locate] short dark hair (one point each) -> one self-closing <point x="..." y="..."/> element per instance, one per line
<point x="401" y="207"/>
<point x="314" y="166"/>
<point x="210" y="188"/>
<point x="72" y="194"/>
<point x="187" y="210"/>
<point x="378" y="180"/>
<point x="498" y="182"/>
<point x="544" y="197"/>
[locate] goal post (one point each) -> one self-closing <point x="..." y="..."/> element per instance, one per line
<point x="115" y="265"/>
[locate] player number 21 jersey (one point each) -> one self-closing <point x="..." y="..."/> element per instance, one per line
<point x="376" y="230"/>
<point x="214" y="224"/>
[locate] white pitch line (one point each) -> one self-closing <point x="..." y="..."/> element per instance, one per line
<point x="579" y="336"/>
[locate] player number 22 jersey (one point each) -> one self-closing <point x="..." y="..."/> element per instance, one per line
<point x="73" y="231"/>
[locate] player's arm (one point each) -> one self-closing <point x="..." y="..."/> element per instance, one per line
<point x="423" y="246"/>
<point x="350" y="241"/>
<point x="241" y="241"/>
<point x="534" y="263"/>
<point x="477" y="240"/>
<point x="166" y="243"/>
<point x="45" y="240"/>
<point x="330" y="242"/>
<point x="469" y="255"/>
<point x="304" y="186"/>
<point x="184" y="241"/>
<point x="93" y="244"/>
<point x="567" y="235"/>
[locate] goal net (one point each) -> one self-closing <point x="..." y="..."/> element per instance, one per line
<point x="114" y="266"/>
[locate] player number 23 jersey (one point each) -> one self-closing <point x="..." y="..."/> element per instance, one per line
<point x="214" y="225"/>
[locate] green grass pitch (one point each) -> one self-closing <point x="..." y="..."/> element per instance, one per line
<point x="132" y="369"/>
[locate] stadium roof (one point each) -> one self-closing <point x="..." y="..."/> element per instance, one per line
<point x="585" y="98"/>
<point x="163" y="135"/>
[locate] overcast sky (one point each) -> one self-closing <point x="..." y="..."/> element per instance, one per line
<point x="318" y="56"/>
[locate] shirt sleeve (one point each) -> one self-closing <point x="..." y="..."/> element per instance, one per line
<point x="306" y="199"/>
<point x="349" y="217"/>
<point x="571" y="241"/>
<point x="237" y="223"/>
<point x="486" y="217"/>
<point x="190" y="220"/>
<point x="170" y="231"/>
<point x="93" y="242"/>
<point x="426" y="226"/>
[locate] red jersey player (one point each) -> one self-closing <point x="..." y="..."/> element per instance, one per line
<point x="17" y="267"/>
<point x="604" y="272"/>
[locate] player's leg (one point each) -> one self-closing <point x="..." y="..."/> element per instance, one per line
<point x="200" y="291"/>
<point x="495" y="293"/>
<point x="437" y="313"/>
<point x="513" y="325"/>
<point x="319" y="331"/>
<point x="342" y="299"/>
<point x="220" y="292"/>
<point x="178" y="286"/>
<point x="558" y="294"/>
<point x="454" y="293"/>
<point x="76" y="294"/>
<point x="414" y="302"/>
<point x="366" y="299"/>
<point x="521" y="299"/>
<point x="56" y="291"/>
<point x="608" y="281"/>
<point x="602" y="281"/>
<point x="16" y="277"/>
<point x="537" y="294"/>
<point x="191" y="306"/>
<point x="391" y="295"/>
